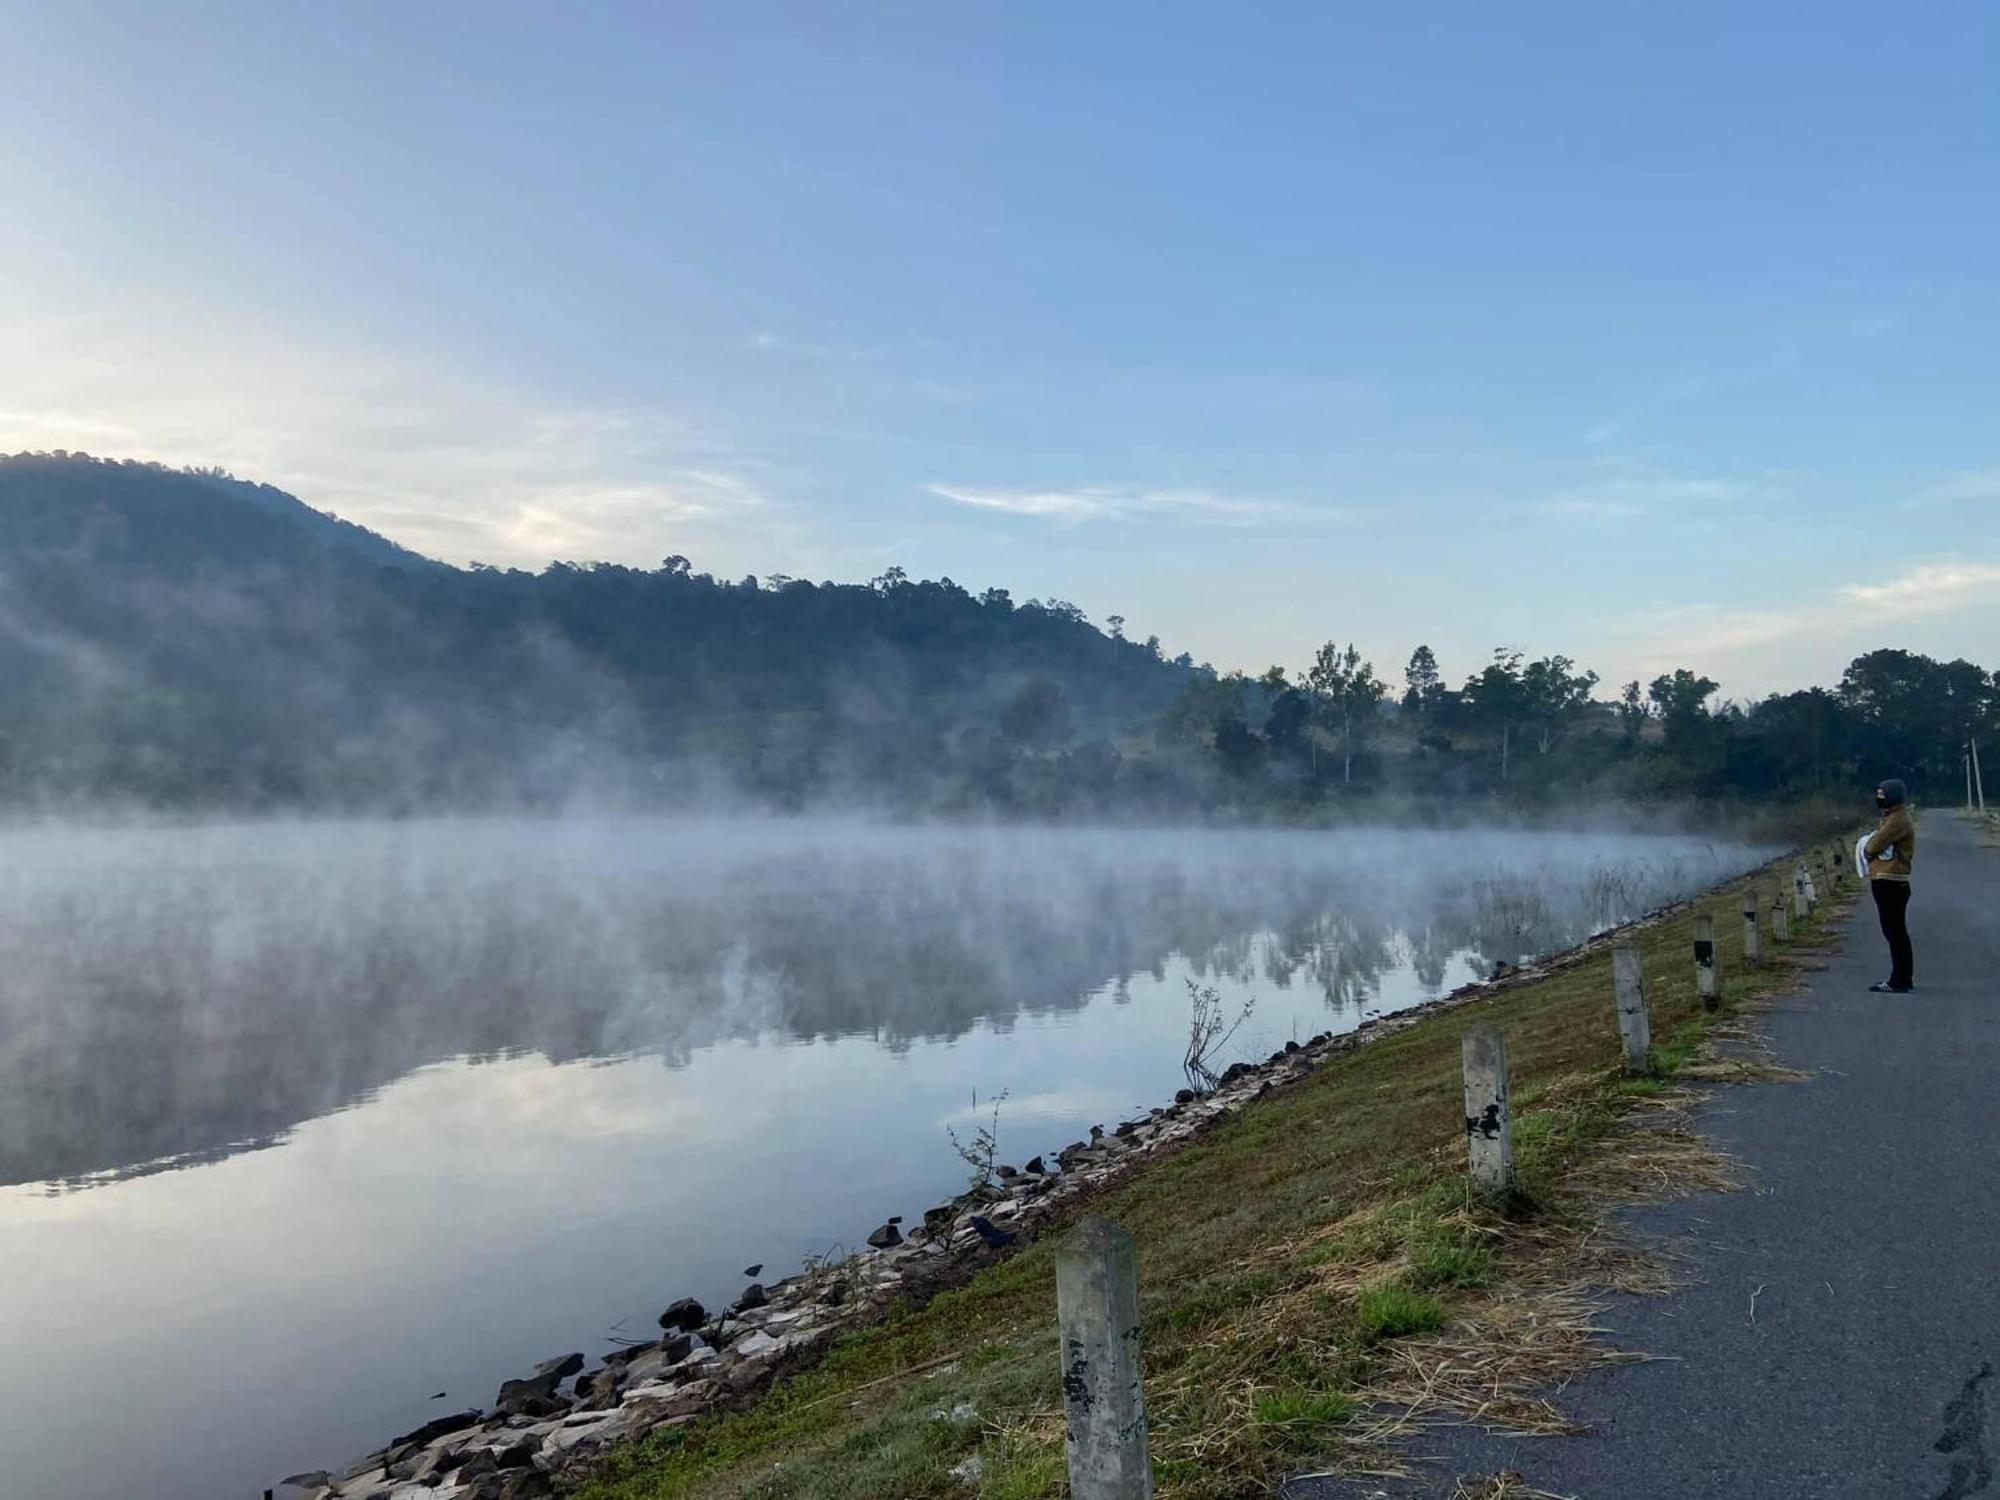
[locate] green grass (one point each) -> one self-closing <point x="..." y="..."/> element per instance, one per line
<point x="1279" y="1255"/>
<point x="1390" y="1311"/>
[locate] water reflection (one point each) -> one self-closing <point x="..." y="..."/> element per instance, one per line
<point x="175" y="994"/>
<point x="308" y="1123"/>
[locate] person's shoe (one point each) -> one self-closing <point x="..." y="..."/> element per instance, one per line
<point x="1886" y="988"/>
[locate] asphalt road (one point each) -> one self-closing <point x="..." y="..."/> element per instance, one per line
<point x="1869" y="1240"/>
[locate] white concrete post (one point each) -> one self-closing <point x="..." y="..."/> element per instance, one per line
<point x="1489" y="1114"/>
<point x="1628" y="980"/>
<point x="1753" y="938"/>
<point x="1781" y="924"/>
<point x="1104" y="1399"/>
<point x="1801" y="902"/>
<point x="1707" y="964"/>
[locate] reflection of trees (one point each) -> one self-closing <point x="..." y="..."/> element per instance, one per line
<point x="1343" y="952"/>
<point x="158" y="1002"/>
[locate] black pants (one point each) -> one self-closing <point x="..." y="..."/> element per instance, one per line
<point x="1892" y="901"/>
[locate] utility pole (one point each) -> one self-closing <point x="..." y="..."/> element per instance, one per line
<point x="1978" y="782"/>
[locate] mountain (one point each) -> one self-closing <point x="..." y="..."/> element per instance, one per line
<point x="187" y="639"/>
<point x="128" y="514"/>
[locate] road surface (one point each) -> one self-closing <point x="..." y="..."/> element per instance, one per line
<point x="1869" y="1240"/>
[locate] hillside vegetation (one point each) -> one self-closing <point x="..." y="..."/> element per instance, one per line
<point x="181" y="639"/>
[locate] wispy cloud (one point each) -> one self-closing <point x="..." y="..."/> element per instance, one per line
<point x="1623" y="488"/>
<point x="1703" y="632"/>
<point x="454" y="468"/>
<point x="1925" y="589"/>
<point x="1111" y="503"/>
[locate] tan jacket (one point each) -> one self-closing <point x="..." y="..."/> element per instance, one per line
<point x="1897" y="830"/>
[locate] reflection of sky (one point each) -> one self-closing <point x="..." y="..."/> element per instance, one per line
<point x="204" y="1330"/>
<point x="286" y="1309"/>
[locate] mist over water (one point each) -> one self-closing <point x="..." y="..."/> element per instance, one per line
<point x="302" y="1123"/>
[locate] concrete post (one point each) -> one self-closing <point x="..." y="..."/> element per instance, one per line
<point x="1801" y="906"/>
<point x="1753" y="938"/>
<point x="1489" y="1114"/>
<point x="1812" y="890"/>
<point x="1707" y="964"/>
<point x="1629" y="984"/>
<point x="1104" y="1399"/>
<point x="1781" y="925"/>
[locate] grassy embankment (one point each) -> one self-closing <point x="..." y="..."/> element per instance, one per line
<point x="1290" y="1263"/>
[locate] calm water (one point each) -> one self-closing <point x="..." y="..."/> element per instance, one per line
<point x="300" y="1125"/>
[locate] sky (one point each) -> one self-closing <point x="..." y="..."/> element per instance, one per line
<point x="1652" y="336"/>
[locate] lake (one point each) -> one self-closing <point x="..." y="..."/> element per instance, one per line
<point x="302" y="1124"/>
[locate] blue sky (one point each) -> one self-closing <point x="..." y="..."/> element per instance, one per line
<point x="1654" y="336"/>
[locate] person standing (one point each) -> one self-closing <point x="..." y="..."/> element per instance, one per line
<point x="1891" y="850"/>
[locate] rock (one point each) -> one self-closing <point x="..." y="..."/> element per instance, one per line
<point x="835" y="1293"/>
<point x="531" y="1485"/>
<point x="1008" y="1174"/>
<point x="994" y="1239"/>
<point x="519" y="1454"/>
<point x="600" y="1389"/>
<point x="540" y="1386"/>
<point x="754" y="1271"/>
<point x="754" y="1295"/>
<point x="747" y="1373"/>
<point x="475" y="1464"/>
<point x="582" y="1431"/>
<point x="1036" y="1167"/>
<point x="754" y="1345"/>
<point x="1125" y="1129"/>
<point x="689" y="1399"/>
<point x="1290" y="1048"/>
<point x="885" y="1238"/>
<point x="431" y="1431"/>
<point x="685" y="1315"/>
<point x="1184" y="1096"/>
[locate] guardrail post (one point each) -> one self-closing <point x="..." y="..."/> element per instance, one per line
<point x="1781" y="924"/>
<point x="1753" y="938"/>
<point x="1628" y="981"/>
<point x="1801" y="900"/>
<point x="1104" y="1398"/>
<point x="1489" y="1114"/>
<point x="1707" y="963"/>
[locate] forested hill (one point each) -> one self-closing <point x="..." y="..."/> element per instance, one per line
<point x="185" y="639"/>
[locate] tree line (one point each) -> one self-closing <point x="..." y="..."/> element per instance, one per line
<point x="1535" y="729"/>
<point x="182" y="639"/>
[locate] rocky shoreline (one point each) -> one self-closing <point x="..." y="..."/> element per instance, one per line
<point x="562" y="1415"/>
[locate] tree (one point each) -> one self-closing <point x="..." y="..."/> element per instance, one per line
<point x="1632" y="711"/>
<point x="1495" y="699"/>
<point x="1682" y="702"/>
<point x="1425" y="685"/>
<point x="1037" y="715"/>
<point x="1553" y="696"/>
<point x="1347" y="689"/>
